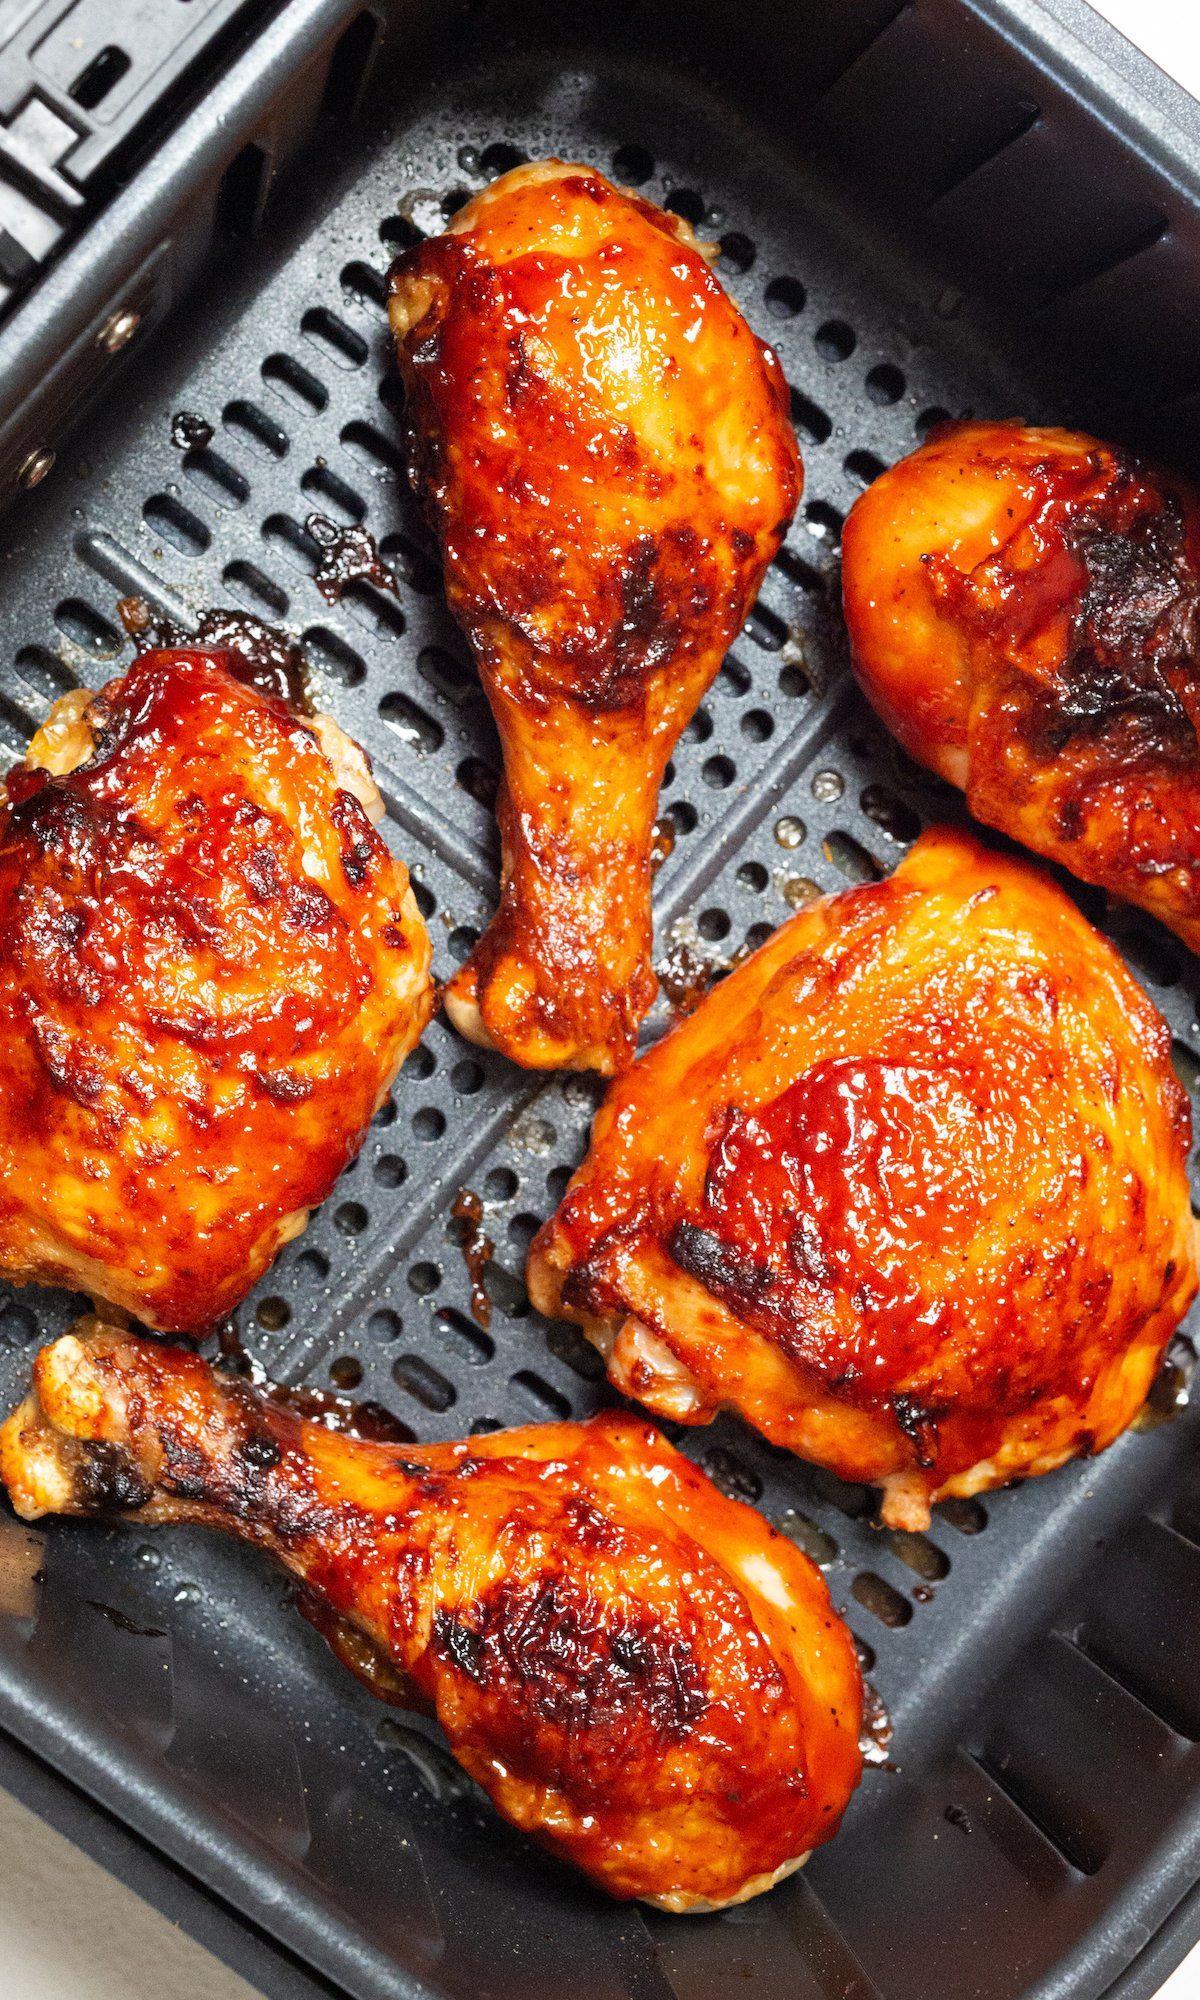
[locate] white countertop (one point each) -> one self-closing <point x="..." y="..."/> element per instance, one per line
<point x="1167" y="30"/>
<point x="68" y="1930"/>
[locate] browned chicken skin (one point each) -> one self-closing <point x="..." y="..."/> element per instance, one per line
<point x="908" y="1190"/>
<point x="603" y="450"/>
<point x="210" y="970"/>
<point x="642" y="1673"/>
<point x="1024" y="612"/>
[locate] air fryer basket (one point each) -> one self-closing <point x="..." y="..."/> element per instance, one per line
<point x="1037" y="1819"/>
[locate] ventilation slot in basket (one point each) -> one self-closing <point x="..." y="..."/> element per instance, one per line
<point x="1140" y="1623"/>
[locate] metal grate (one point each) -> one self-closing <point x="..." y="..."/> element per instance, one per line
<point x="345" y="1829"/>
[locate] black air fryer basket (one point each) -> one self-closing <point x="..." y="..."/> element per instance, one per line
<point x="931" y="209"/>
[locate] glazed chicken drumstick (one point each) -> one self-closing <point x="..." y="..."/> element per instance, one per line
<point x="1024" y="612"/>
<point x="603" y="449"/>
<point x="643" y="1674"/>
<point x="211" y="968"/>
<point x="908" y="1190"/>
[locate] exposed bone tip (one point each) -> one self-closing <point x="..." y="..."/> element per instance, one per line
<point x="350" y="766"/>
<point x="680" y="1904"/>
<point x="905" y="1502"/>
<point x="64" y="742"/>
<point x="460" y="999"/>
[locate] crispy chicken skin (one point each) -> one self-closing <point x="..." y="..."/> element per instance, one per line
<point x="210" y="970"/>
<point x="603" y="449"/>
<point x="908" y="1190"/>
<point x="643" y="1674"/>
<point x="1023" y="612"/>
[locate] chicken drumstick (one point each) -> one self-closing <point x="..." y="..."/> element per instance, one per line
<point x="644" y="1675"/>
<point x="603" y="449"/>
<point x="1024" y="612"/>
<point x="908" y="1190"/>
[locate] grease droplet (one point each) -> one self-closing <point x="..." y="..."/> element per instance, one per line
<point x="190" y="432"/>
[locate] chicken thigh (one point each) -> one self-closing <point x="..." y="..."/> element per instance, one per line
<point x="643" y="1674"/>
<point x="908" y="1190"/>
<point x="211" y="969"/>
<point x="1023" y="608"/>
<point x="603" y="449"/>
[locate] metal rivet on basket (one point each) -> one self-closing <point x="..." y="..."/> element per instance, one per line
<point x="827" y="786"/>
<point x="117" y="329"/>
<point x="35" y="465"/>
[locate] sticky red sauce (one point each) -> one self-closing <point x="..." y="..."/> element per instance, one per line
<point x="861" y="1166"/>
<point x="928" y="1149"/>
<point x="195" y="1029"/>
<point x="1024" y="610"/>
<point x="601" y="445"/>
<point x="563" y="1596"/>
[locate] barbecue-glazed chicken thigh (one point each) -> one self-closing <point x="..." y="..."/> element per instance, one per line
<point x="1024" y="612"/>
<point x="603" y="449"/>
<point x="908" y="1190"/>
<point x="210" y="970"/>
<point x="643" y="1674"/>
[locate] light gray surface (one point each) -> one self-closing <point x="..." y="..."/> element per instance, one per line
<point x="1185" y="1983"/>
<point x="1168" y="31"/>
<point x="69" y="1931"/>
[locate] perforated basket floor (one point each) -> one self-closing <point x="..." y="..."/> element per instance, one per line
<point x="1014" y="1842"/>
